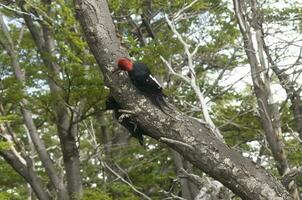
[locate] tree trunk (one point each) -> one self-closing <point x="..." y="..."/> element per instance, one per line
<point x="268" y="109"/>
<point x="188" y="189"/>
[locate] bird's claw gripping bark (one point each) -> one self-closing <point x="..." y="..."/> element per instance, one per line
<point x="125" y="114"/>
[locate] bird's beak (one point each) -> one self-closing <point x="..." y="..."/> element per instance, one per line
<point x="116" y="70"/>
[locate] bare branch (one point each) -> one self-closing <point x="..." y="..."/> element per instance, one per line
<point x="20" y="11"/>
<point x="268" y="109"/>
<point x="220" y="75"/>
<point x="21" y="166"/>
<point x="11" y="145"/>
<point x="173" y="71"/>
<point x="193" y="82"/>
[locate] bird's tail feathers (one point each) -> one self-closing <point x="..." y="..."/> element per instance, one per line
<point x="160" y="101"/>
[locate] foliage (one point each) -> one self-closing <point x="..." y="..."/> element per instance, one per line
<point x="121" y="191"/>
<point x="4" y="196"/>
<point x="4" y="145"/>
<point x="95" y="194"/>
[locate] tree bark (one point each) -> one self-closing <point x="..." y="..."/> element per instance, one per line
<point x="190" y="138"/>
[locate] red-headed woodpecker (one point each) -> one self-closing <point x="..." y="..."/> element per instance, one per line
<point x="142" y="78"/>
<point x="126" y="121"/>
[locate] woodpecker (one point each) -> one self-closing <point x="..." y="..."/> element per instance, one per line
<point x="125" y="121"/>
<point x="143" y="80"/>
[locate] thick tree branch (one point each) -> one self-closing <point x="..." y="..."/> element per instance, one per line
<point x="44" y="40"/>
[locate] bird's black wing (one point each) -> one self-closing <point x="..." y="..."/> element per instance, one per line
<point x="143" y="79"/>
<point x="153" y="82"/>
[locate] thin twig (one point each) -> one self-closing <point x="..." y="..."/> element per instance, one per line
<point x="220" y="75"/>
<point x="173" y="71"/>
<point x="20" y="12"/>
<point x="178" y="14"/>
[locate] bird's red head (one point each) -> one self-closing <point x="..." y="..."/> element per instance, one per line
<point x="125" y="64"/>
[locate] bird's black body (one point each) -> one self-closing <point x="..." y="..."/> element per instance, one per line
<point x="141" y="77"/>
<point x="135" y="130"/>
<point x="143" y="80"/>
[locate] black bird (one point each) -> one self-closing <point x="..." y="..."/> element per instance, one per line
<point x="125" y="121"/>
<point x="143" y="80"/>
